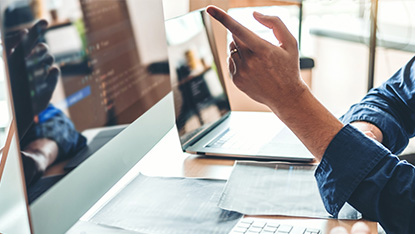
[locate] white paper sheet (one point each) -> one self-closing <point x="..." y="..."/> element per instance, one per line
<point x="168" y="205"/>
<point x="263" y="188"/>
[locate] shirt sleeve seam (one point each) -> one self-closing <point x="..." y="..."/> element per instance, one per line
<point x="346" y="193"/>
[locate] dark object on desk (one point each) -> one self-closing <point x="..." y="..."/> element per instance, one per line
<point x="97" y="142"/>
<point x="306" y="63"/>
<point x="159" y="68"/>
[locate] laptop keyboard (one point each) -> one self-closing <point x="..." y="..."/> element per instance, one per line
<point x="233" y="139"/>
<point x="264" y="226"/>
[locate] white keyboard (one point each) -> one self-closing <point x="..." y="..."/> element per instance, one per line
<point x="266" y="226"/>
<point x="234" y="139"/>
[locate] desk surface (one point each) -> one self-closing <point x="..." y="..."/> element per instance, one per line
<point x="174" y="163"/>
<point x="166" y="159"/>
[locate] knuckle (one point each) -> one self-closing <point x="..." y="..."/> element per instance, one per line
<point x="278" y="19"/>
<point x="275" y="19"/>
<point x="295" y="42"/>
<point x="43" y="46"/>
<point x="237" y="81"/>
<point x="50" y="58"/>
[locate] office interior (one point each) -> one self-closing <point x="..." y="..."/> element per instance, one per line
<point x="335" y="37"/>
<point x="339" y="29"/>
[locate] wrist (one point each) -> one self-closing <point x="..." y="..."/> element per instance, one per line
<point x="286" y="99"/>
<point x="311" y="122"/>
<point x="368" y="129"/>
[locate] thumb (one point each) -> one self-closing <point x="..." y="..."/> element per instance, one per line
<point x="279" y="29"/>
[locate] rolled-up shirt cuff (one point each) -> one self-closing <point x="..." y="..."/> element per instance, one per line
<point x="396" y="140"/>
<point x="348" y="159"/>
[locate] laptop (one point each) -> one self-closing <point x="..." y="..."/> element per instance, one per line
<point x="205" y="122"/>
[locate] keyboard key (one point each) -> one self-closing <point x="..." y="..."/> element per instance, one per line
<point x="267" y="232"/>
<point x="241" y="229"/>
<point x="255" y="229"/>
<point x="270" y="229"/>
<point x="259" y="224"/>
<point x="244" y="225"/>
<point x="285" y="229"/>
<point x="273" y="225"/>
<point x="236" y="232"/>
<point x="253" y="232"/>
<point x="249" y="221"/>
<point x="312" y="231"/>
<point x="264" y="226"/>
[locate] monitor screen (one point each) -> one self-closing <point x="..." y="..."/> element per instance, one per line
<point x="199" y="96"/>
<point x="81" y="72"/>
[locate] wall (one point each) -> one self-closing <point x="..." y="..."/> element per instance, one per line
<point x="173" y="8"/>
<point x="341" y="71"/>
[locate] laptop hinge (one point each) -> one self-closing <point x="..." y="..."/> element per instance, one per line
<point x="203" y="133"/>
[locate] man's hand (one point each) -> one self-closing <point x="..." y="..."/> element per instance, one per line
<point x="267" y="73"/>
<point x="358" y="228"/>
<point x="31" y="72"/>
<point x="39" y="62"/>
<point x="270" y="74"/>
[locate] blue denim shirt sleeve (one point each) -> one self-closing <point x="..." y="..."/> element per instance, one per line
<point x="391" y="107"/>
<point x="362" y="172"/>
<point x="367" y="174"/>
<point x="55" y="125"/>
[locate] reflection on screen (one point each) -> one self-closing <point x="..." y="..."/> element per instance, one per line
<point x="87" y="69"/>
<point x="199" y="97"/>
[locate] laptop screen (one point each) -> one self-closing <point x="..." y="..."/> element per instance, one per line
<point x="107" y="71"/>
<point x="199" y="97"/>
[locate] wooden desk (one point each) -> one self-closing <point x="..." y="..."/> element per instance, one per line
<point x="174" y="163"/>
<point x="166" y="159"/>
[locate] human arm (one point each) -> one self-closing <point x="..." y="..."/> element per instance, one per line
<point x="37" y="157"/>
<point x="361" y="171"/>
<point x="369" y="130"/>
<point x="390" y="108"/>
<point x="53" y="124"/>
<point x="354" y="168"/>
<point x="271" y="75"/>
<point x="32" y="72"/>
<point x="53" y="138"/>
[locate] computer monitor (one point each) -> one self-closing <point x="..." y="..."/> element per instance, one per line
<point x="13" y="213"/>
<point x="110" y="104"/>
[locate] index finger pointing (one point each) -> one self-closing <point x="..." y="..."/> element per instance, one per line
<point x="251" y="40"/>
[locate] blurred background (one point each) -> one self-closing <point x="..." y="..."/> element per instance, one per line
<point x="335" y="36"/>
